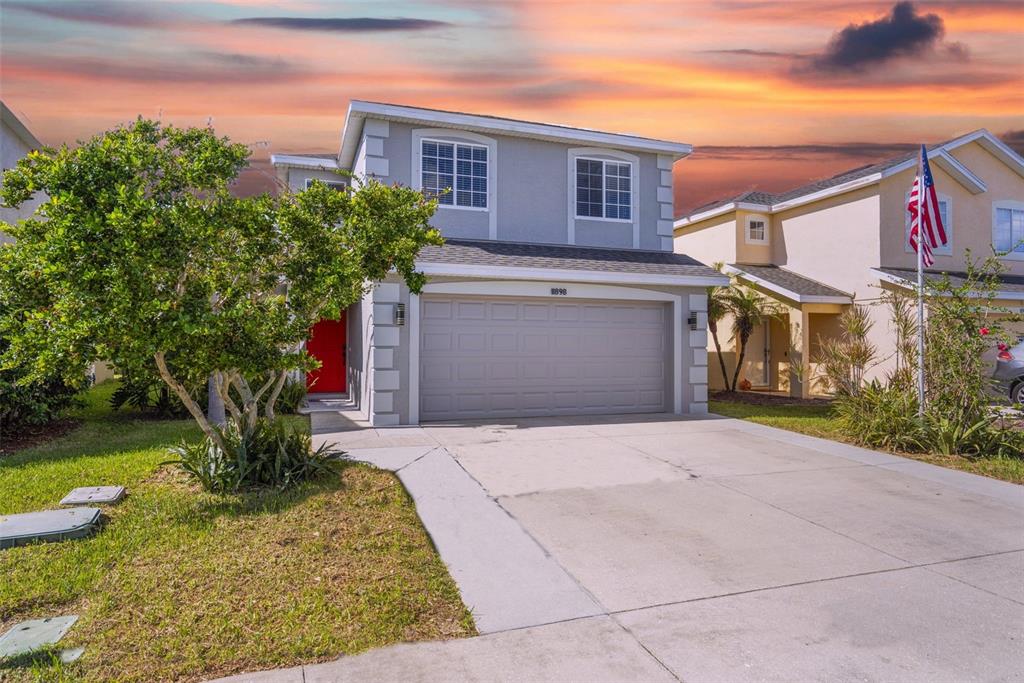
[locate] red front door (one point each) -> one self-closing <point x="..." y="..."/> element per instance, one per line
<point x="327" y="344"/>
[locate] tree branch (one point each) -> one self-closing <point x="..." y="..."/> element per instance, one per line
<point x="272" y="399"/>
<point x="186" y="398"/>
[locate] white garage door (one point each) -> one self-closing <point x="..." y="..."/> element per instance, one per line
<point x="507" y="357"/>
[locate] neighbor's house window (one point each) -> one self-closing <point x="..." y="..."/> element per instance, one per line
<point x="1008" y="228"/>
<point x="333" y="184"/>
<point x="945" y="210"/>
<point x="757" y="230"/>
<point x="457" y="166"/>
<point x="603" y="189"/>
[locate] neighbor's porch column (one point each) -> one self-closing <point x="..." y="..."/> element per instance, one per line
<point x="799" y="353"/>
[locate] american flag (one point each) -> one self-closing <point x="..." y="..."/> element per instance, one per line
<point x="934" y="231"/>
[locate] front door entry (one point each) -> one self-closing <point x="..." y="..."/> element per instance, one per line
<point x="327" y="344"/>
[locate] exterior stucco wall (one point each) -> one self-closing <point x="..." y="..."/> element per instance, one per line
<point x="530" y="192"/>
<point x="752" y="252"/>
<point x="709" y="242"/>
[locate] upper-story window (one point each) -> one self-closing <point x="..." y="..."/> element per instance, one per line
<point x="945" y="211"/>
<point x="757" y="230"/>
<point x="457" y="166"/>
<point x="1008" y="228"/>
<point x="603" y="189"/>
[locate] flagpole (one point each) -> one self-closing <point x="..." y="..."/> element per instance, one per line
<point x="920" y="286"/>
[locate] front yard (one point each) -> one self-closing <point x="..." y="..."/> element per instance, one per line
<point x="814" y="418"/>
<point x="183" y="585"/>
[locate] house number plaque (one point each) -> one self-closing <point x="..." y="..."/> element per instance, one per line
<point x="559" y="291"/>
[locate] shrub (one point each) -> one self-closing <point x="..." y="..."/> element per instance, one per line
<point x="272" y="454"/>
<point x="33" y="403"/>
<point x="881" y="417"/>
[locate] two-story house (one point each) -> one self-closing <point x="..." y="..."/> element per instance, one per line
<point x="819" y="248"/>
<point x="557" y="291"/>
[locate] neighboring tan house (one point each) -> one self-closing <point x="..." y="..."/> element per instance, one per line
<point x="819" y="248"/>
<point x="556" y="293"/>
<point x="16" y="140"/>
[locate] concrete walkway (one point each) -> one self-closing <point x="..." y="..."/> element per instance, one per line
<point x="662" y="548"/>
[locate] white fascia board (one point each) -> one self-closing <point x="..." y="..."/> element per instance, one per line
<point x="912" y="285"/>
<point x="303" y="162"/>
<point x="960" y="173"/>
<point x="1002" y="151"/>
<point x="789" y="294"/>
<point x="568" y="275"/>
<point x="359" y="110"/>
<point x="857" y="184"/>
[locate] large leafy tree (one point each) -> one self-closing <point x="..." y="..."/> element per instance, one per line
<point x="141" y="256"/>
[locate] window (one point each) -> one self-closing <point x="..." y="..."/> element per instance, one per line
<point x="1008" y="229"/>
<point x="603" y="189"/>
<point x="458" y="167"/>
<point x="757" y="230"/>
<point x="945" y="211"/>
<point x="333" y="184"/>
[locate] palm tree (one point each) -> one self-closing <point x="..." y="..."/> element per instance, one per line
<point x="749" y="309"/>
<point x="718" y="306"/>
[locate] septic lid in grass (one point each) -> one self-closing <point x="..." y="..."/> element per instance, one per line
<point x="29" y="636"/>
<point x="48" y="525"/>
<point x="94" y="495"/>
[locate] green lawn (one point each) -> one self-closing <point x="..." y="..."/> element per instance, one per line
<point x="183" y="585"/>
<point x="815" y="420"/>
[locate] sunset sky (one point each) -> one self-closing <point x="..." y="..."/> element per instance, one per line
<point x="771" y="94"/>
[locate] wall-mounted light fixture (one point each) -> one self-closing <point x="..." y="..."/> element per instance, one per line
<point x="691" y="320"/>
<point x="400" y="314"/>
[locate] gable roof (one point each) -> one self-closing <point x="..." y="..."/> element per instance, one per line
<point x="11" y="120"/>
<point x="863" y="176"/>
<point x="359" y="110"/>
<point x="793" y="286"/>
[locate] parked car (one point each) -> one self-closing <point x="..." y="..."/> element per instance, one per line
<point x="1009" y="373"/>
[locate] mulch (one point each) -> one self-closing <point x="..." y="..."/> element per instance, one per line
<point x="35" y="436"/>
<point x="758" y="398"/>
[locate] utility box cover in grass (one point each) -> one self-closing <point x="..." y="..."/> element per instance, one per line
<point x="94" y="495"/>
<point x="48" y="525"/>
<point x="29" y="636"/>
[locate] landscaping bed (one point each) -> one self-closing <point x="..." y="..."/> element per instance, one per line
<point x="813" y="417"/>
<point x="184" y="585"/>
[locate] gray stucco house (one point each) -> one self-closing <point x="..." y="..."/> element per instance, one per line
<point x="557" y="292"/>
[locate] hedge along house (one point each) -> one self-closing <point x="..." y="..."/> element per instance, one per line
<point x="817" y="249"/>
<point x="557" y="291"/>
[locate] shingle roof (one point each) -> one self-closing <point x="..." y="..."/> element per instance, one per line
<point x="790" y="281"/>
<point x="520" y="255"/>
<point x="1007" y="282"/>
<point x="769" y="198"/>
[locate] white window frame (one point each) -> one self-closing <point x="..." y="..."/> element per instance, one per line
<point x="1013" y="205"/>
<point x="604" y="189"/>
<point x="746" y="229"/>
<point x="948" y="225"/>
<point x="333" y="184"/>
<point x="455" y="172"/>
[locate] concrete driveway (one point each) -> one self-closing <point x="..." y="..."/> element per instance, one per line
<point x="664" y="548"/>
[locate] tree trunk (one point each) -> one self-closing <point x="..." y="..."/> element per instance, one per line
<point x="190" y="404"/>
<point x="272" y="399"/>
<point x="718" y="349"/>
<point x="739" y="359"/>
<point x="224" y="391"/>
